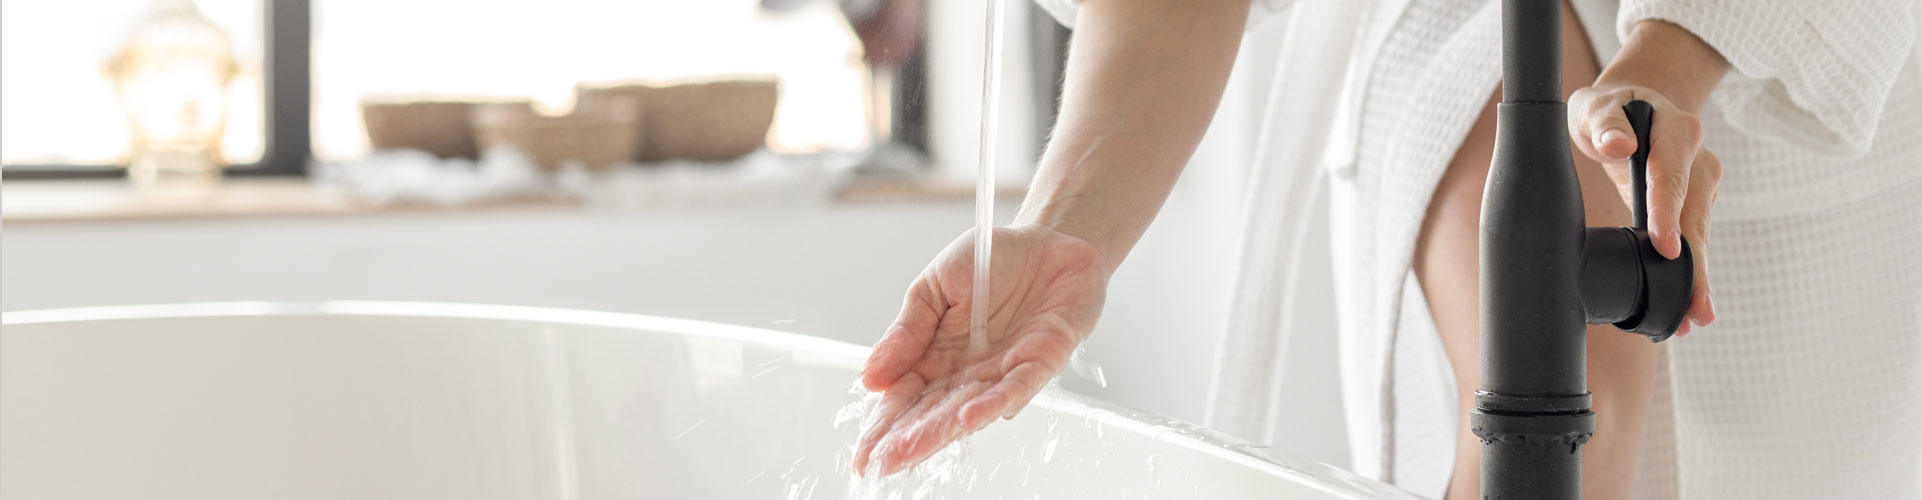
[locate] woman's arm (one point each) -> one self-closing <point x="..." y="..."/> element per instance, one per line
<point x="1816" y="75"/>
<point x="1669" y="60"/>
<point x="1143" y="80"/>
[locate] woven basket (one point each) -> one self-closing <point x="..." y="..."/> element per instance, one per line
<point x="605" y="134"/>
<point x="438" y="127"/>
<point x="712" y="121"/>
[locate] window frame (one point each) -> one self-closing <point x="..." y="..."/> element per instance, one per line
<point x="287" y="94"/>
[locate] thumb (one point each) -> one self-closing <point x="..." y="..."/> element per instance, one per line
<point x="907" y="340"/>
<point x="1611" y="135"/>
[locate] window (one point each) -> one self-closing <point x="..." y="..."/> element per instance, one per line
<point x="305" y="68"/>
<point x="62" y="117"/>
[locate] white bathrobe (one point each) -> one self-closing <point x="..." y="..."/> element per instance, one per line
<point x="1810" y="383"/>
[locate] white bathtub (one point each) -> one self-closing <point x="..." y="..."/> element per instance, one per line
<point x="368" y="400"/>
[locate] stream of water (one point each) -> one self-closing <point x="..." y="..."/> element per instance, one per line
<point x="984" y="181"/>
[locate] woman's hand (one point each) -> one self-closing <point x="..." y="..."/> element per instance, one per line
<point x="1133" y="108"/>
<point x="1674" y="71"/>
<point x="1045" y="293"/>
<point x="1682" y="176"/>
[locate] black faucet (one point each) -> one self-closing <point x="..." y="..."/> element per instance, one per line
<point x="1544" y="276"/>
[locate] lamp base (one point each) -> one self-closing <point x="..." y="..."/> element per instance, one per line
<point x="174" y="172"/>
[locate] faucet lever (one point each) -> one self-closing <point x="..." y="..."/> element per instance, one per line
<point x="1625" y="282"/>
<point x="1640" y="116"/>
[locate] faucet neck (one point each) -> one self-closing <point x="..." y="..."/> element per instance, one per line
<point x="1532" y="51"/>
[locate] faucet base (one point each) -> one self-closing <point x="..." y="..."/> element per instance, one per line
<point x="1540" y="451"/>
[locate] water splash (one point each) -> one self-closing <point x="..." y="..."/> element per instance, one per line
<point x="950" y="469"/>
<point x="1054" y="439"/>
<point x="697" y="425"/>
<point x="1079" y="364"/>
<point x="802" y="489"/>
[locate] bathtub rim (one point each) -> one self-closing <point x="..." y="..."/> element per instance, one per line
<point x="1155" y="426"/>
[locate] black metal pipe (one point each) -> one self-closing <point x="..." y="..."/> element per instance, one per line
<point x="1532" y="411"/>
<point x="1532" y="51"/>
<point x="289" y="87"/>
<point x="1531" y="244"/>
<point x="1544" y="276"/>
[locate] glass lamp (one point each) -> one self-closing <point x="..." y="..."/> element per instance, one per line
<point x="171" y="77"/>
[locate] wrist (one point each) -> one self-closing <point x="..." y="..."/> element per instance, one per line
<point x="1100" y="191"/>
<point x="1669" y="60"/>
<point x="1057" y="214"/>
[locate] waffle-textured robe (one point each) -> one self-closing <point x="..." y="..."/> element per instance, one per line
<point x="1809" y="385"/>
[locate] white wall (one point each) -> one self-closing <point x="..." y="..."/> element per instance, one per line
<point x="834" y="270"/>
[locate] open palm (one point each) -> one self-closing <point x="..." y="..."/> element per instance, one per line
<point x="1045" y="294"/>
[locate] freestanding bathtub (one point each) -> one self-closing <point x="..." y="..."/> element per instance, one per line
<point x="370" y="400"/>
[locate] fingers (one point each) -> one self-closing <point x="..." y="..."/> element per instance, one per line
<point x="1682" y="177"/>
<point x="1675" y="139"/>
<point x="1602" y="131"/>
<point x="893" y="404"/>
<point x="933" y="422"/>
<point x="910" y="430"/>
<point x="1706" y="174"/>
<point x="907" y="339"/>
<point x="1009" y="396"/>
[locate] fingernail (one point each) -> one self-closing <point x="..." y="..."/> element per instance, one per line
<point x="1615" y="134"/>
<point x="1612" y="135"/>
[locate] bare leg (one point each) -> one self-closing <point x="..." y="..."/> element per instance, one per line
<point x="1620" y="366"/>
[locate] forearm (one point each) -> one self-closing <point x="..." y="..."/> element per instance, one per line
<point x="1143" y="80"/>
<point x="1668" y="59"/>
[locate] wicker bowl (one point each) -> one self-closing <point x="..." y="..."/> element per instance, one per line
<point x="438" y="127"/>
<point x="599" y="136"/>
<point x="711" y="121"/>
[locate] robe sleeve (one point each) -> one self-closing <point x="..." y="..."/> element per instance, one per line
<point x="1815" y="74"/>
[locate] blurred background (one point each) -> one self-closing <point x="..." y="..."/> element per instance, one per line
<point x="787" y="164"/>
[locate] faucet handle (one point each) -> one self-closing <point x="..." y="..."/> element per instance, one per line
<point x="1625" y="282"/>
<point x="1641" y="116"/>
